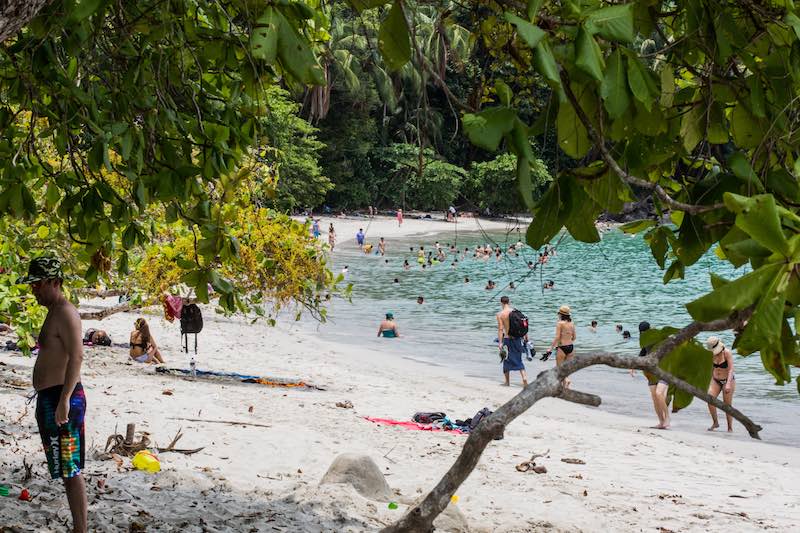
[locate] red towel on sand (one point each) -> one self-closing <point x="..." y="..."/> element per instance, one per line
<point x="410" y="425"/>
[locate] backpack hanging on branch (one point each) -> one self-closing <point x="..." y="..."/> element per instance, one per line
<point x="191" y="322"/>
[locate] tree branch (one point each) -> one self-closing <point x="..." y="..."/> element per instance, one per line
<point x="97" y="293"/>
<point x="108" y="311"/>
<point x="628" y="178"/>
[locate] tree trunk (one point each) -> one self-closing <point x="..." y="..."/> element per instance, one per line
<point x="14" y="14"/>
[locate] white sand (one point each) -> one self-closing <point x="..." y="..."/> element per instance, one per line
<point x="266" y="479"/>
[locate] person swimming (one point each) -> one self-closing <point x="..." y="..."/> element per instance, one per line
<point x="466" y="279"/>
<point x="396" y="280"/>
<point x="420" y="300"/>
<point x="388" y="328"/>
<point x="406" y="266"/>
<point x="626" y="334"/>
<point x="593" y="327"/>
<point x="619" y="328"/>
<point x="490" y="285"/>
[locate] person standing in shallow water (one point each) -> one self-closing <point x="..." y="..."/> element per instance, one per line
<point x="61" y="402"/>
<point x="564" y="338"/>
<point x="514" y="346"/>
<point x="331" y="236"/>
<point x="722" y="379"/>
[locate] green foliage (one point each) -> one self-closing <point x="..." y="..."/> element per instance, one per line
<point x="492" y="184"/>
<point x="292" y="150"/>
<point x="422" y="179"/>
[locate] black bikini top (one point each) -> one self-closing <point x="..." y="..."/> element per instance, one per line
<point x="723" y="364"/>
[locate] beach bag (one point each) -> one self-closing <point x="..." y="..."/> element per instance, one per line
<point x="191" y="319"/>
<point x="517" y="324"/>
<point x="191" y="322"/>
<point x="479" y="416"/>
<point x="428" y="418"/>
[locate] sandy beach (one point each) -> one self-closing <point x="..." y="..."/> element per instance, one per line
<point x="254" y="478"/>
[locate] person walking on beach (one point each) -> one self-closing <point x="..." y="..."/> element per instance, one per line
<point x="315" y="228"/>
<point x="331" y="236"/>
<point x="399" y="217"/>
<point x="512" y="336"/>
<point x="388" y="328"/>
<point x="658" y="387"/>
<point x="722" y="379"/>
<point x="564" y="339"/>
<point x="61" y="402"/>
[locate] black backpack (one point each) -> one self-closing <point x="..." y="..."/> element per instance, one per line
<point x="517" y="324"/>
<point x="191" y="322"/>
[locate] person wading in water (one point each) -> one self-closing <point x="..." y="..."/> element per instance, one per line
<point x="564" y="339"/>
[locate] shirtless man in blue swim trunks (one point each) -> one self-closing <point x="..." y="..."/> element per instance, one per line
<point x="61" y="403"/>
<point x="515" y="346"/>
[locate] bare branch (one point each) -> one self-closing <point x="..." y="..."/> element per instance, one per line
<point x="628" y="178"/>
<point x="583" y="398"/>
<point x="97" y="293"/>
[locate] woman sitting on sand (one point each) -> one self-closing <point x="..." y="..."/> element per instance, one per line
<point x="143" y="345"/>
<point x="388" y="327"/>
<point x="722" y="379"/>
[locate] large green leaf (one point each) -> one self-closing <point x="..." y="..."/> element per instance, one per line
<point x="758" y="217"/>
<point x="588" y="56"/>
<point x="546" y="221"/>
<point x="84" y="9"/>
<point x="529" y="33"/>
<point x="579" y="211"/>
<point x="524" y="181"/>
<point x="394" y="41"/>
<point x="614" y="88"/>
<point x="691" y="363"/>
<point x="573" y="138"/>
<point x="734" y="296"/>
<point x="295" y="53"/>
<point x="614" y="23"/>
<point x="747" y="130"/>
<point x="264" y="39"/>
<point x="763" y="329"/>
<point x="640" y="80"/>
<point x="692" y="130"/>
<point x="486" y="129"/>
<point x="546" y="65"/>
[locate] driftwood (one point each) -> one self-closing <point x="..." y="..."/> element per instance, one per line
<point x="124" y="307"/>
<point x="229" y="422"/>
<point x="95" y="293"/>
<point x="124" y="446"/>
<point x="171" y="448"/>
<point x="550" y="383"/>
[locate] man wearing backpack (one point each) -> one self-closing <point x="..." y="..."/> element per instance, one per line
<point x="512" y="334"/>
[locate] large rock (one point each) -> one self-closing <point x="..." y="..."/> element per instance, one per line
<point x="360" y="472"/>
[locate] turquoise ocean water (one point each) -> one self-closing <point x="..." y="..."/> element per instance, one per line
<point x="614" y="281"/>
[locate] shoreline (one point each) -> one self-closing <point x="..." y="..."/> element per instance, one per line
<point x="635" y="478"/>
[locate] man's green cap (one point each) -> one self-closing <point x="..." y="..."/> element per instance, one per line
<point x="42" y="268"/>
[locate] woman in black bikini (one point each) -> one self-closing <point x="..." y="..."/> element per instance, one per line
<point x="722" y="379"/>
<point x="565" y="336"/>
<point x="143" y="346"/>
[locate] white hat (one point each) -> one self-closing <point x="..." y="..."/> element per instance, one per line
<point x="715" y="345"/>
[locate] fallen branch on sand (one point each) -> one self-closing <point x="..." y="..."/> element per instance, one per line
<point x="229" y="422"/>
<point x="172" y="448"/>
<point x="550" y="383"/>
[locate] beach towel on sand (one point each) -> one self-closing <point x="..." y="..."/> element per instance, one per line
<point x="410" y="425"/>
